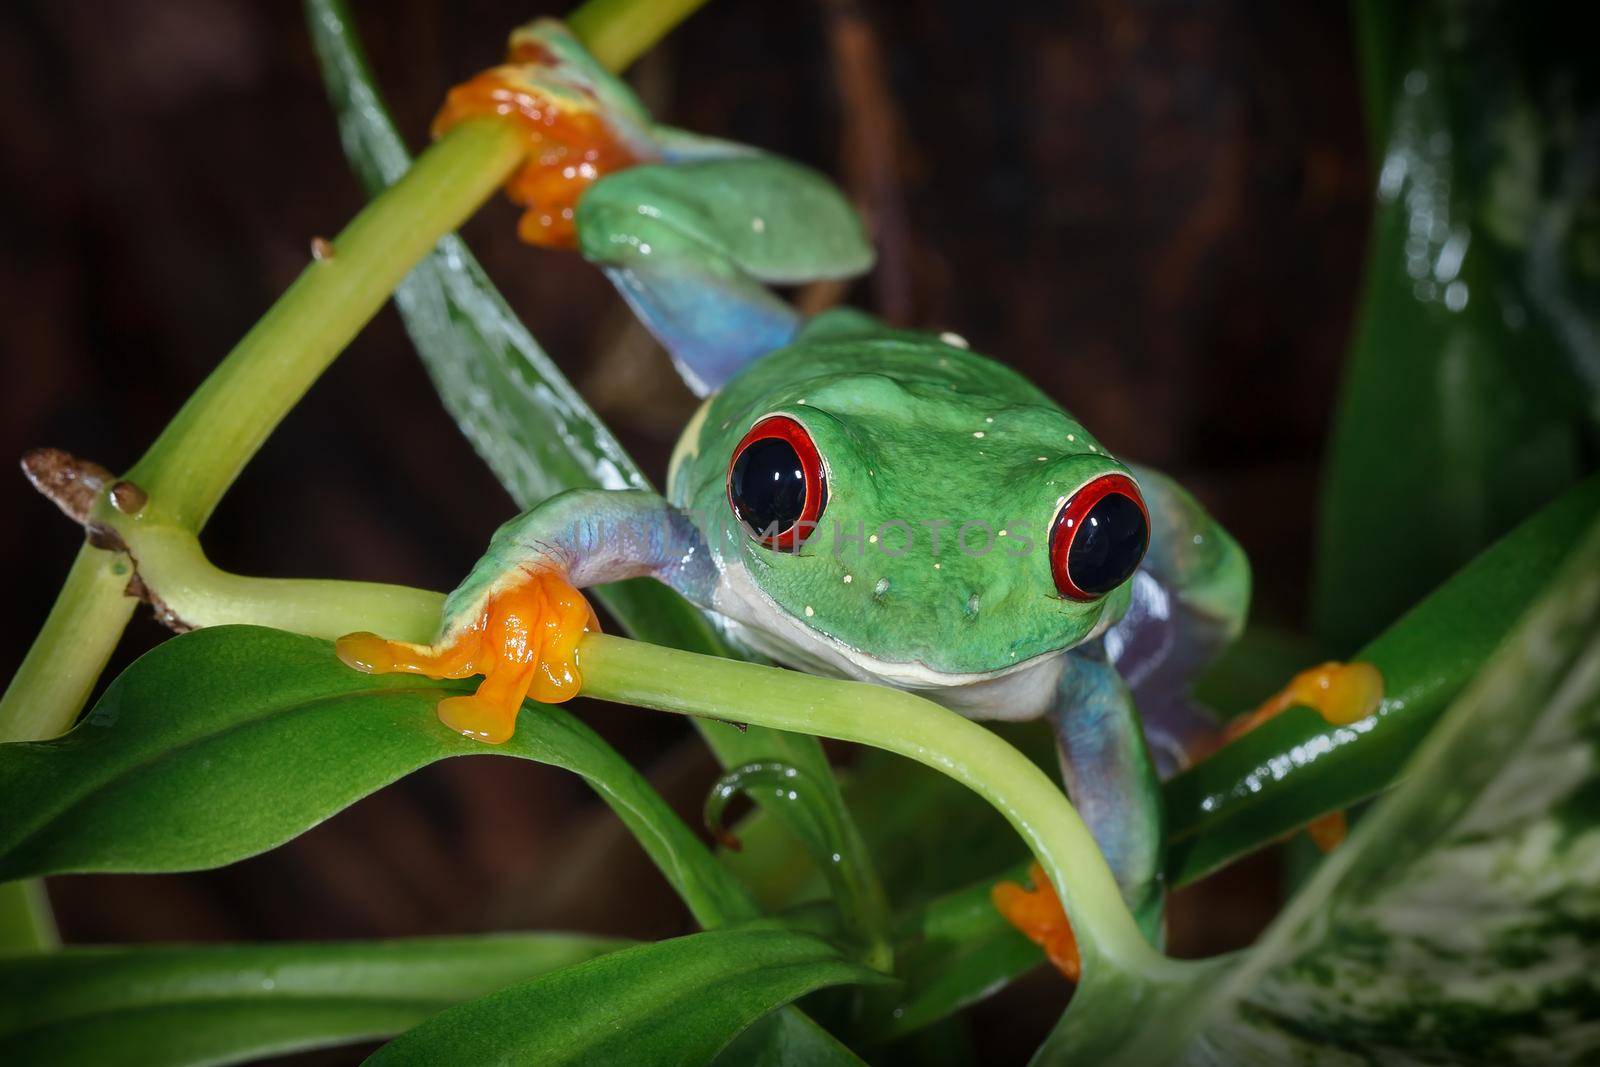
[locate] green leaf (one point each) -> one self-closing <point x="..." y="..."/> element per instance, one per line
<point x="672" y="1002"/>
<point x="524" y="418"/>
<point x="1472" y="393"/>
<point x="1296" y="767"/>
<point x="225" y="742"/>
<point x="161" y="1005"/>
<point x="1457" y="925"/>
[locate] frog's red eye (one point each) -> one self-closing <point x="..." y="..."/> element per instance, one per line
<point x="776" y="485"/>
<point x="1099" y="538"/>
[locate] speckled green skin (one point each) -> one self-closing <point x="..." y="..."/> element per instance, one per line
<point x="911" y="430"/>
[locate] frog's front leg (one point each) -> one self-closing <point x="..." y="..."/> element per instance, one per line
<point x="690" y="229"/>
<point x="518" y="616"/>
<point x="692" y="247"/>
<point x="1112" y="783"/>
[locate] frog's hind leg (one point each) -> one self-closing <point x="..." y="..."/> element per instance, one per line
<point x="1189" y="600"/>
<point x="518" y="617"/>
<point x="693" y="244"/>
<point x="1342" y="693"/>
<point x="1113" y="785"/>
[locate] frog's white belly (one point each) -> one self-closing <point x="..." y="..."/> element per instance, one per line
<point x="1017" y="691"/>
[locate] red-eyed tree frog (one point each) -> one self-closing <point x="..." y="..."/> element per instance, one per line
<point x="850" y="499"/>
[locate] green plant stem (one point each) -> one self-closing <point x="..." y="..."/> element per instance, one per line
<point x="616" y="32"/>
<point x="197" y="594"/>
<point x="26" y="924"/>
<point x="71" y="650"/>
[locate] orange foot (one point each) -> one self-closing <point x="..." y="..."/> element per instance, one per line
<point x="524" y="642"/>
<point x="1342" y="693"/>
<point x="1038" y="913"/>
<point x="574" y="138"/>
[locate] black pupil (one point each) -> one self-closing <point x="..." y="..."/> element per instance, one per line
<point x="1109" y="545"/>
<point x="768" y="486"/>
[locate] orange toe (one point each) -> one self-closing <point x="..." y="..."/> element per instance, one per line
<point x="1342" y="693"/>
<point x="1038" y="914"/>
<point x="524" y="642"/>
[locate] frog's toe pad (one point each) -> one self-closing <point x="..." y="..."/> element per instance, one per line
<point x="478" y="718"/>
<point x="1038" y="914"/>
<point x="1342" y="693"/>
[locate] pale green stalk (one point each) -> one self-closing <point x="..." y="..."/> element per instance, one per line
<point x="617" y="32"/>
<point x="71" y="650"/>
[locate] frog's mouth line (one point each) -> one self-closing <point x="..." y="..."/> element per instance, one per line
<point x="776" y="632"/>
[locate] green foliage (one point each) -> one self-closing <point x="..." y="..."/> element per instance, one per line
<point x="228" y="741"/>
<point x="1252" y="792"/>
<point x="1471" y="396"/>
<point x="157" y="1005"/>
<point x="672" y="1002"/>
<point x="1457" y="924"/>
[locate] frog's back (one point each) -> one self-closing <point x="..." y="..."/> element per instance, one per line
<point x="844" y="344"/>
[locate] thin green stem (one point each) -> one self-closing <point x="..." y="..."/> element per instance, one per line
<point x="50" y="687"/>
<point x="26" y="924"/>
<point x="669" y="680"/>
<point x="71" y="650"/>
<point x="617" y="32"/>
<point x="195" y="594"/>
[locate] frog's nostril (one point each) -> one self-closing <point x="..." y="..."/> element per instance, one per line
<point x="972" y="606"/>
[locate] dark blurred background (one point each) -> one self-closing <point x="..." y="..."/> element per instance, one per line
<point x="1156" y="210"/>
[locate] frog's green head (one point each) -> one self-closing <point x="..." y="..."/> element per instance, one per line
<point x="954" y="507"/>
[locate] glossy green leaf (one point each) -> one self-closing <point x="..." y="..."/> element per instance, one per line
<point x="1457" y="925"/>
<point x="522" y="415"/>
<point x="1287" y="772"/>
<point x="1472" y="393"/>
<point x="225" y="742"/>
<point x="166" y="1005"/>
<point x="672" y="1002"/>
